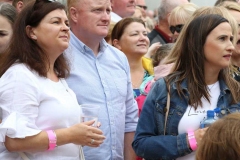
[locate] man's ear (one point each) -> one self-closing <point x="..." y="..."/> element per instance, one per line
<point x="116" y="44"/>
<point x="19" y="6"/>
<point x="168" y="15"/>
<point x="30" y="33"/>
<point x="73" y="14"/>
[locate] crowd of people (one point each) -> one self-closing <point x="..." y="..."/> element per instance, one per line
<point x="154" y="76"/>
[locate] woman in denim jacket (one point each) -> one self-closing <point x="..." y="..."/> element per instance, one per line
<point x="199" y="82"/>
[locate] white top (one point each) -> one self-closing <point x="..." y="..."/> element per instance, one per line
<point x="115" y="18"/>
<point x="30" y="104"/>
<point x="192" y="118"/>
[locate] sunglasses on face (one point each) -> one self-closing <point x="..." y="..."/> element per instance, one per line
<point x="176" y="28"/>
<point x="143" y="7"/>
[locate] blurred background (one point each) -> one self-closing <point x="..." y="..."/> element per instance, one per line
<point x="153" y="4"/>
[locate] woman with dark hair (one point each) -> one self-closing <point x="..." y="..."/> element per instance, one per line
<point x="7" y="17"/>
<point x="199" y="82"/>
<point x="41" y="116"/>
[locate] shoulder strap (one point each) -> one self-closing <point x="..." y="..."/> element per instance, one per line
<point x="167" y="108"/>
<point x="23" y="156"/>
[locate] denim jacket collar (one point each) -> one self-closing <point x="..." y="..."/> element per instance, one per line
<point x="223" y="87"/>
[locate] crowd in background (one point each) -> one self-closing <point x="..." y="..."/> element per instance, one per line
<point x="154" y="74"/>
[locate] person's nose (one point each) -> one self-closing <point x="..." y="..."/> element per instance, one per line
<point x="65" y="27"/>
<point x="231" y="47"/>
<point x="106" y="16"/>
<point x="143" y="37"/>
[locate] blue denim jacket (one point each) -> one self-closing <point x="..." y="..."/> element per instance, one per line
<point x="149" y="141"/>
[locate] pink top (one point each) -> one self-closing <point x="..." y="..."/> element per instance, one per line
<point x="162" y="70"/>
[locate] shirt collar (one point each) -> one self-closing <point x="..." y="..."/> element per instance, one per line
<point x="167" y="38"/>
<point x="115" y="17"/>
<point x="84" y="48"/>
<point x="76" y="42"/>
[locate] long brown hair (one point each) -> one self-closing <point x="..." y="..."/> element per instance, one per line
<point x="23" y="49"/>
<point x="189" y="64"/>
<point x="221" y="140"/>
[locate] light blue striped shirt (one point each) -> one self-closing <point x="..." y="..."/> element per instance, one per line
<point x="104" y="80"/>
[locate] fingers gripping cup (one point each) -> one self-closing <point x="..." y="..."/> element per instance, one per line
<point x="89" y="113"/>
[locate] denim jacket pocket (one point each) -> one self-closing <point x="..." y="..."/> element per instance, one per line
<point x="175" y="114"/>
<point x="228" y="110"/>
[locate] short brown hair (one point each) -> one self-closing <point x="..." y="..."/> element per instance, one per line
<point x="161" y="53"/>
<point x="221" y="140"/>
<point x="119" y="28"/>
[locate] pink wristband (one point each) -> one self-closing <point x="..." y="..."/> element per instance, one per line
<point x="52" y="140"/>
<point x="192" y="140"/>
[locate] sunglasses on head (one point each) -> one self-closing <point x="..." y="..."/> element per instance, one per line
<point x="143" y="7"/>
<point x="38" y="1"/>
<point x="176" y="28"/>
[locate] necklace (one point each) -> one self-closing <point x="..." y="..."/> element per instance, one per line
<point x="63" y="85"/>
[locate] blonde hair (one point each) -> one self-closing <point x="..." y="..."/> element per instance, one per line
<point x="231" y="6"/>
<point x="108" y="37"/>
<point x="182" y="13"/>
<point x="172" y="57"/>
<point x="140" y="11"/>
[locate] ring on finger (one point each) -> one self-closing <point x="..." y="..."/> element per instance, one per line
<point x="92" y="141"/>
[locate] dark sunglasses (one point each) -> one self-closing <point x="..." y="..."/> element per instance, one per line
<point x="37" y="1"/>
<point x="176" y="28"/>
<point x="143" y="7"/>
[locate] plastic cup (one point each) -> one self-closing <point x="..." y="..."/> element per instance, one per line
<point x="89" y="113"/>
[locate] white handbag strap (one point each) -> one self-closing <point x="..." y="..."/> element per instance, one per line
<point x="81" y="153"/>
<point x="23" y="156"/>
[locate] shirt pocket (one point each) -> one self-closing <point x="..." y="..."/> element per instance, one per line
<point x="121" y="83"/>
